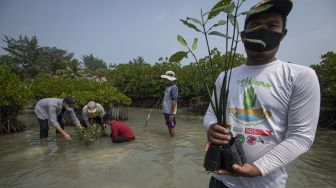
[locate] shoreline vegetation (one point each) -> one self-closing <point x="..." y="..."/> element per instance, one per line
<point x="29" y="72"/>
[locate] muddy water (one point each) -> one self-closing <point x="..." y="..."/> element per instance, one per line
<point x="152" y="160"/>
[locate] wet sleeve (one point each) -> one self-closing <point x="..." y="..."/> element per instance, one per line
<point x="53" y="116"/>
<point x="174" y="93"/>
<point x="303" y="116"/>
<point x="85" y="115"/>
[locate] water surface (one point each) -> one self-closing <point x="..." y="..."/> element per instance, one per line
<point x="152" y="160"/>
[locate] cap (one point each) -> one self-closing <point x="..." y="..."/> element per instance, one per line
<point x="69" y="100"/>
<point x="92" y="107"/>
<point x="284" y="6"/>
<point x="170" y="75"/>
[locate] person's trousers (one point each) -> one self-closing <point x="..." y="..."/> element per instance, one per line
<point x="44" y="127"/>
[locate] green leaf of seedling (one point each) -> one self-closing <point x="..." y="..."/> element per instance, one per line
<point x="229" y="8"/>
<point x="181" y="40"/>
<point x="194" y="45"/>
<point x="178" y="56"/>
<point x="190" y="25"/>
<point x="233" y="21"/>
<point x="220" y="22"/>
<point x="255" y="41"/>
<point x="226" y="8"/>
<point x="257" y="10"/>
<point x="194" y="20"/>
<point x="215" y="11"/>
<point x="256" y="28"/>
<point x="220" y="34"/>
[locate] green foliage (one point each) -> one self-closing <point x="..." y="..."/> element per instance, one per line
<point x="13" y="92"/>
<point x="257" y="10"/>
<point x="54" y="59"/>
<point x="24" y="55"/>
<point x="178" y="56"/>
<point x="28" y="60"/>
<point x="138" y="79"/>
<point x="194" y="45"/>
<point x="13" y="96"/>
<point x="8" y="62"/>
<point x="181" y="40"/>
<point x="83" y="91"/>
<point x="94" y="64"/>
<point x="326" y="73"/>
<point x="220" y="34"/>
<point x="218" y="8"/>
<point x="190" y="25"/>
<point x="143" y="81"/>
<point x="89" y="135"/>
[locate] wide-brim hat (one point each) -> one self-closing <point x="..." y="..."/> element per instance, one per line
<point x="92" y="107"/>
<point x="170" y="75"/>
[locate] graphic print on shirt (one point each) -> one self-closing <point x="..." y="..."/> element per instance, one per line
<point x="251" y="115"/>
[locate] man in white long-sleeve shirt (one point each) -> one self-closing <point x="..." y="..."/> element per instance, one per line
<point x="273" y="106"/>
<point x="53" y="109"/>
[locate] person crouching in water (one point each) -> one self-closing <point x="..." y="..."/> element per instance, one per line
<point x="119" y="131"/>
<point x="93" y="113"/>
<point x="54" y="109"/>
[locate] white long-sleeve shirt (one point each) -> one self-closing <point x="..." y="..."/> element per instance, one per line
<point x="274" y="110"/>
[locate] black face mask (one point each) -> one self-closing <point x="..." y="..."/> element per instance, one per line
<point x="270" y="38"/>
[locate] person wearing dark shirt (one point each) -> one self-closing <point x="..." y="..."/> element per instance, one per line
<point x="120" y="132"/>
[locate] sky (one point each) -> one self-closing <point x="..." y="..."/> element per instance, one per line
<point x="119" y="30"/>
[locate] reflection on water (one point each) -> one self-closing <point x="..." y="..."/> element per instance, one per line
<point x="152" y="160"/>
<point x="317" y="168"/>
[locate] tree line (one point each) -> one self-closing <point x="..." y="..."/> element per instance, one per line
<point x="137" y="79"/>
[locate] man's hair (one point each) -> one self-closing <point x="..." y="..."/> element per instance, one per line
<point x="272" y="9"/>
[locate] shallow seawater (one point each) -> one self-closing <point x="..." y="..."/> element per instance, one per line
<point x="152" y="160"/>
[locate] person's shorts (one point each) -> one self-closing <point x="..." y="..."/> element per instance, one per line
<point x="168" y="122"/>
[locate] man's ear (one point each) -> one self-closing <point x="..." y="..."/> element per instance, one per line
<point x="284" y="33"/>
<point x="242" y="36"/>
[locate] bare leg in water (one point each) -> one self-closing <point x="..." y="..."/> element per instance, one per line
<point x="171" y="131"/>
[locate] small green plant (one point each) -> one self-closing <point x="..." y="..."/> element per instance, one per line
<point x="89" y="135"/>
